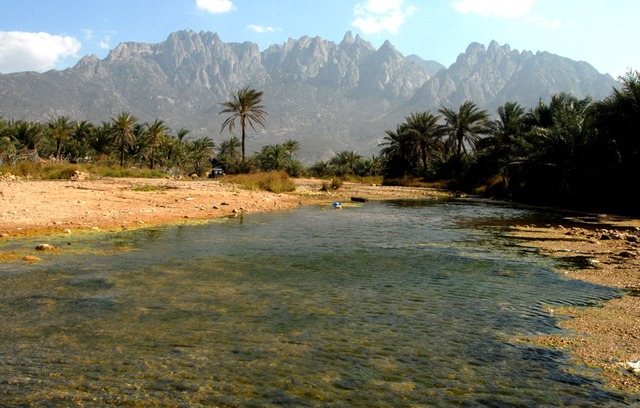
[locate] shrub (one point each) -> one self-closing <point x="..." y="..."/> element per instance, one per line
<point x="274" y="181"/>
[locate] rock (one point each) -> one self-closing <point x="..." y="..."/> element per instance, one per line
<point x="605" y="237"/>
<point x="46" y="247"/>
<point x="235" y="211"/>
<point x="4" y="235"/>
<point x="633" y="366"/>
<point x="633" y="238"/>
<point x="215" y="207"/>
<point x="627" y="254"/>
<point x="31" y="258"/>
<point x="78" y="176"/>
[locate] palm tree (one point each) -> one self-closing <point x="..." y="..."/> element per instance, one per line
<point x="506" y="142"/>
<point x="156" y="132"/>
<point x="274" y="157"/>
<point x="182" y="134"/>
<point x="400" y="152"/>
<point x="291" y="146"/>
<point x="464" y="128"/>
<point x="81" y="135"/>
<point x="101" y="141"/>
<point x="246" y="107"/>
<point x="200" y="151"/>
<point x="424" y="129"/>
<point x="122" y="130"/>
<point x="60" y="130"/>
<point x="27" y="134"/>
<point x="563" y="145"/>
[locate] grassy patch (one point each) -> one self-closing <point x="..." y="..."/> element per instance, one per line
<point x="149" y="188"/>
<point x="9" y="256"/>
<point x="273" y="181"/>
<point x="64" y="171"/>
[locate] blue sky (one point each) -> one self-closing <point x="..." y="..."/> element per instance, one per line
<point x="54" y="34"/>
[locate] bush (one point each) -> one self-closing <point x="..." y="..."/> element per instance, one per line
<point x="273" y="181"/>
<point x="333" y="184"/>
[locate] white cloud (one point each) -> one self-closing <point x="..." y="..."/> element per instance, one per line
<point x="215" y="6"/>
<point x="518" y="9"/>
<point x="22" y="51"/>
<point x="89" y="34"/>
<point x="541" y="21"/>
<point x="374" y="16"/>
<point x="261" y="29"/>
<point x="498" y="8"/>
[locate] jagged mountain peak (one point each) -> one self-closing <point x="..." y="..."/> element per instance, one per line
<point x="328" y="96"/>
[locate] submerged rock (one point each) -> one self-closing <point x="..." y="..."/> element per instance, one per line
<point x="31" y="258"/>
<point x="46" y="247"/>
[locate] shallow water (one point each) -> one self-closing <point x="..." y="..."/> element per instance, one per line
<point x="402" y="303"/>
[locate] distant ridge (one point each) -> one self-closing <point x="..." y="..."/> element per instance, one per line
<point x="331" y="97"/>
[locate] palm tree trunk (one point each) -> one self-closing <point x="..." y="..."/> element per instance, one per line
<point x="243" y="125"/>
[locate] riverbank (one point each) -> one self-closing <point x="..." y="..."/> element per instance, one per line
<point x="44" y="207"/>
<point x="606" y="251"/>
<point x="605" y="337"/>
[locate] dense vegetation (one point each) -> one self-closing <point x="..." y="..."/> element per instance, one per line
<point x="570" y="152"/>
<point x="567" y="151"/>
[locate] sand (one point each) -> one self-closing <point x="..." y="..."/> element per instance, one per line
<point x="606" y="337"/>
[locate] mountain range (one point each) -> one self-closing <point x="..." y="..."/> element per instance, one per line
<point x="330" y="97"/>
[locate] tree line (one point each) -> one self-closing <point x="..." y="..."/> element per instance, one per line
<point x="567" y="151"/>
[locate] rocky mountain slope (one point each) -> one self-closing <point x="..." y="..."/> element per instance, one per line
<point x="331" y="97"/>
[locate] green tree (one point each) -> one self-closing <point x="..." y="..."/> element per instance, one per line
<point x="60" y="130"/>
<point x="291" y="147"/>
<point x="400" y="152"/>
<point x="200" y="152"/>
<point x="464" y="128"/>
<point x="28" y="135"/>
<point x="564" y="144"/>
<point x="245" y="106"/>
<point x="102" y="141"/>
<point x="228" y="156"/>
<point x="273" y="157"/>
<point x="506" y="143"/>
<point x="79" y="145"/>
<point x="156" y="131"/>
<point x="423" y="128"/>
<point x="122" y="130"/>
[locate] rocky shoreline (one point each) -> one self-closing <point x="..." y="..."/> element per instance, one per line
<point x="606" y="337"/>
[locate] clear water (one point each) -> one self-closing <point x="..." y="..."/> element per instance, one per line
<point x="388" y="304"/>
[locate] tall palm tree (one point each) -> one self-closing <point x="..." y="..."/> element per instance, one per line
<point x="123" y="132"/>
<point x="401" y="152"/>
<point x="60" y="130"/>
<point x="464" y="128"/>
<point x="424" y="129"/>
<point x="563" y="144"/>
<point x="156" y="132"/>
<point x="246" y="107"/>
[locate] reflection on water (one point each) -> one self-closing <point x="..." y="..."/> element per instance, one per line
<point x="384" y="304"/>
